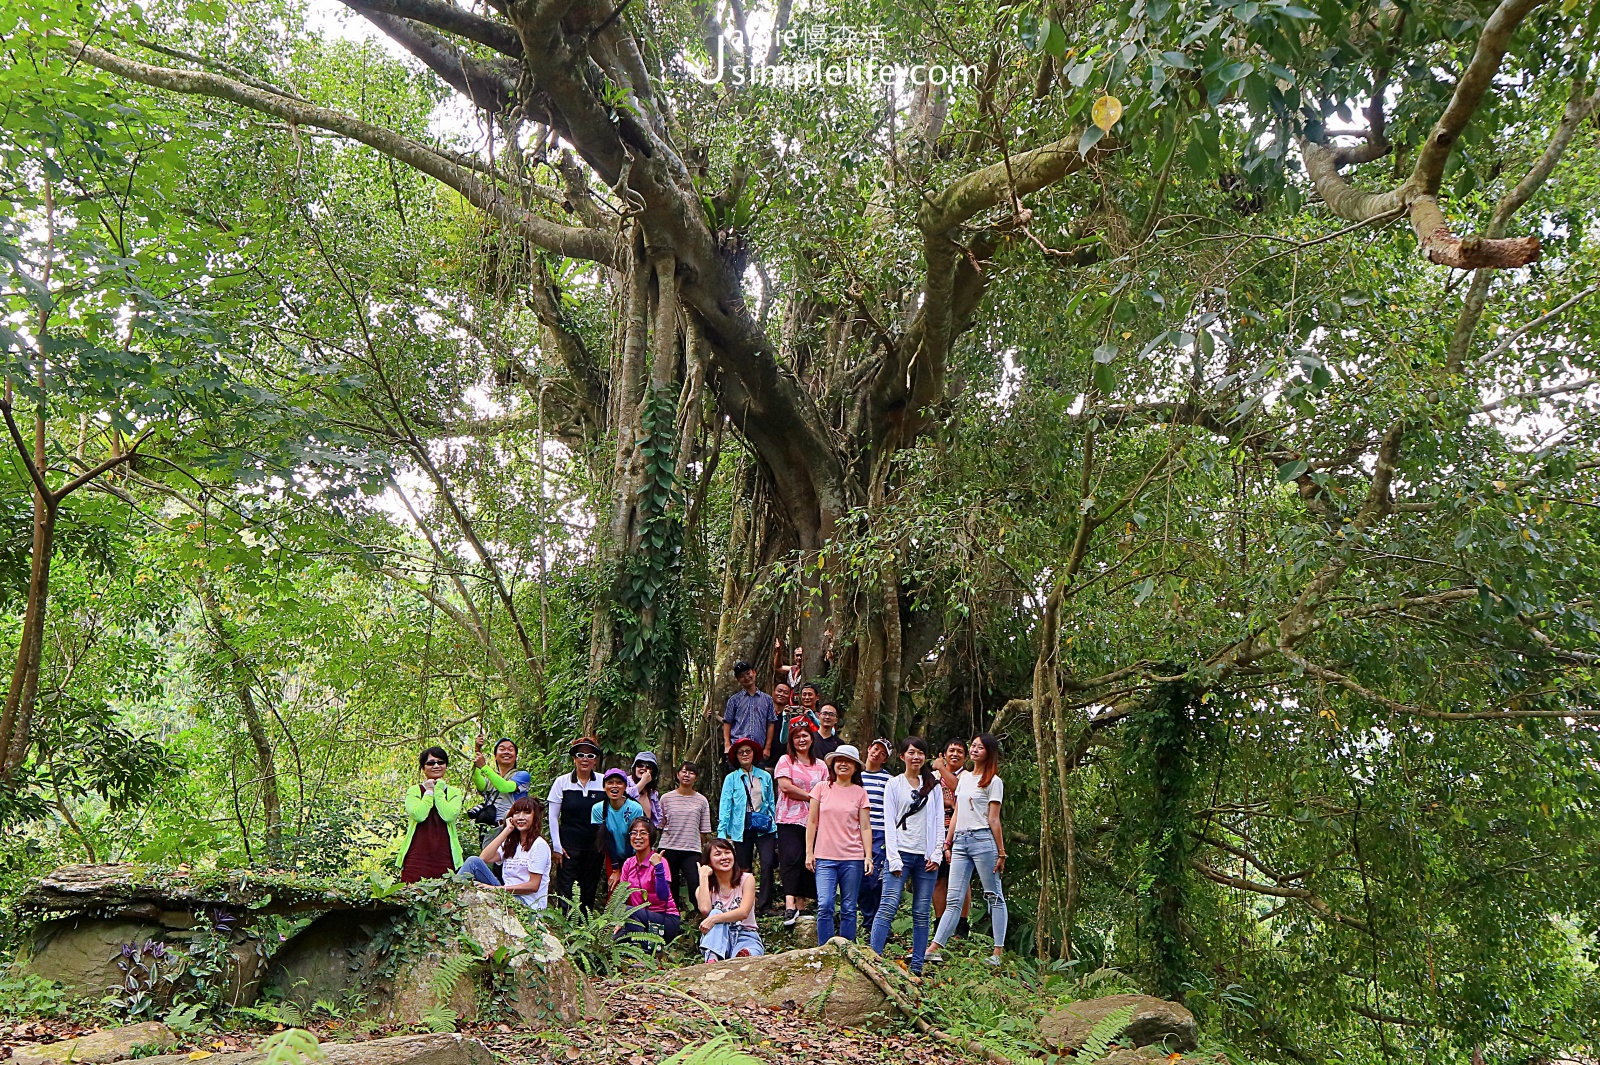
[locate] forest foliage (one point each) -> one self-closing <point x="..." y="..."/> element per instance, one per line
<point x="1186" y="399"/>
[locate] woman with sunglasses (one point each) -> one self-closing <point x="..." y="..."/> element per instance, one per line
<point x="573" y="797"/>
<point x="431" y="848"/>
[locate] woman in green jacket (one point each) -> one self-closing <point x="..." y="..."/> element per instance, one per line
<point x="431" y="848"/>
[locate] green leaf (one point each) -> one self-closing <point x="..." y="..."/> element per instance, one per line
<point x="1091" y="137"/>
<point x="1105" y="378"/>
<point x="1292" y="471"/>
<point x="1105" y="352"/>
<point x="1030" y="29"/>
<point x="1055" y="41"/>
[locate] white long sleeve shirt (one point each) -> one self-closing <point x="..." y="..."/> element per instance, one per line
<point x="924" y="830"/>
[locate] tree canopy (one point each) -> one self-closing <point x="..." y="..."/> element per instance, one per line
<point x="1197" y="393"/>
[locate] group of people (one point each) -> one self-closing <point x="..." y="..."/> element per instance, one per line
<point x="797" y="806"/>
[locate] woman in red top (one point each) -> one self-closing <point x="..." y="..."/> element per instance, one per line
<point x="838" y="842"/>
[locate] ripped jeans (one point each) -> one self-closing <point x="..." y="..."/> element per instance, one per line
<point x="973" y="850"/>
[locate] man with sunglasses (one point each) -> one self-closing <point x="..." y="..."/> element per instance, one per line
<point x="572" y="839"/>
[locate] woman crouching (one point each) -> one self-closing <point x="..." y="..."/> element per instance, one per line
<point x="727" y="896"/>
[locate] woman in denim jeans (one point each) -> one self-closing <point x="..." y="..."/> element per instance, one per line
<point x="913" y="829"/>
<point x="838" y="842"/>
<point x="974" y="842"/>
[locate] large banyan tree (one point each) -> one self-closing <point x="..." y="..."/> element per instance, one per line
<point x="1186" y="388"/>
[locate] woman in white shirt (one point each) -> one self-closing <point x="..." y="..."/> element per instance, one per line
<point x="913" y="829"/>
<point x="974" y="842"/>
<point x="523" y="855"/>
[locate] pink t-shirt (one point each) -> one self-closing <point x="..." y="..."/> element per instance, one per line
<point x="839" y="820"/>
<point x="651" y="885"/>
<point x="805" y="777"/>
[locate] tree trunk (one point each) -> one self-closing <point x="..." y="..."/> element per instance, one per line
<point x="17" y="720"/>
<point x="242" y="677"/>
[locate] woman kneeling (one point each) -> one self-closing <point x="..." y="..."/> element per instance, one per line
<point x="727" y="896"/>
<point x="649" y="885"/>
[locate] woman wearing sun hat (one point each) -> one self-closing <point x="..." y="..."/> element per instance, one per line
<point x="838" y="833"/>
<point x="571" y="811"/>
<point x="747" y="815"/>
<point x="645" y="785"/>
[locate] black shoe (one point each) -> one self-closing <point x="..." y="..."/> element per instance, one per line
<point x="790" y="917"/>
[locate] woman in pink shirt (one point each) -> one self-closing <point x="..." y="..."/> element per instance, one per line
<point x="838" y="831"/>
<point x="648" y="880"/>
<point x="796" y="774"/>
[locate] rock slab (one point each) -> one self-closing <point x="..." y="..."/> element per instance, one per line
<point x="817" y="979"/>
<point x="1154" y="1021"/>
<point x="98" y="1048"/>
<point x="447" y="1049"/>
<point x="346" y="956"/>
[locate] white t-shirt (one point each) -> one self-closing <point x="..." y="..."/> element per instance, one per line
<point x="520" y="868"/>
<point x="972" y="801"/>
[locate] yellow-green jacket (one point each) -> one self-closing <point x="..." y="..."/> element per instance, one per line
<point x="447" y="800"/>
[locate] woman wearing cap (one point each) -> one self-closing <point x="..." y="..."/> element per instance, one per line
<point x="645" y="786"/>
<point x="913" y="828"/>
<point x="797" y="773"/>
<point x="973" y="841"/>
<point x="572" y="800"/>
<point x="431" y="848"/>
<point x="747" y="814"/>
<point x="522" y="854"/>
<point x="649" y="883"/>
<point x="611" y="819"/>
<point x="838" y="829"/>
<point x="727" y="898"/>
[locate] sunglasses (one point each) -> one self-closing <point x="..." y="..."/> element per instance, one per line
<point x="430" y="763"/>
<point x="586" y="754"/>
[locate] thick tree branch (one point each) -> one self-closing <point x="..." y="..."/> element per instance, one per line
<point x="1470" y="88"/>
<point x="1355" y="687"/>
<point x="1418" y="195"/>
<point x="1580" y="105"/>
<point x="490" y="87"/>
<point x="1305" y="895"/>
<point x="449" y="18"/>
<point x="563" y="240"/>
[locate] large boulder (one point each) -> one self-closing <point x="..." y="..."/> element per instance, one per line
<point x="478" y="946"/>
<point x="816" y="979"/>
<point x="99" y="1048"/>
<point x="81" y="953"/>
<point x="1154" y="1021"/>
<point x="447" y="1049"/>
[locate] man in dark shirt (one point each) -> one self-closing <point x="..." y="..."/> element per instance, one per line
<point x="827" y="740"/>
<point x="750" y="713"/>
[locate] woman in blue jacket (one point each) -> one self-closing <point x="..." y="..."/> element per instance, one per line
<point x="748" y="816"/>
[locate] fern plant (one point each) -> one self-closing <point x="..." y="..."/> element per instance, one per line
<point x="720" y="1051"/>
<point x="442" y="1016"/>
<point x="591" y="938"/>
<point x="1104" y="1034"/>
<point x="286" y="1013"/>
<point x="440" y="1019"/>
<point x="292" y="1046"/>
